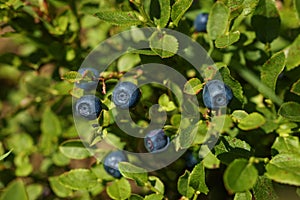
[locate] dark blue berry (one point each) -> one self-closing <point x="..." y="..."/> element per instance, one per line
<point x="190" y="159"/>
<point x="216" y="94"/>
<point x="200" y="22"/>
<point x="156" y="140"/>
<point x="88" y="107"/>
<point x="125" y="95"/>
<point x="111" y="163"/>
<point x="92" y="76"/>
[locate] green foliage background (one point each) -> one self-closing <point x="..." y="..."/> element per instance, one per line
<point x="255" y="45"/>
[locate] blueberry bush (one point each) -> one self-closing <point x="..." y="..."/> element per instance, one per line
<point x="255" y="46"/>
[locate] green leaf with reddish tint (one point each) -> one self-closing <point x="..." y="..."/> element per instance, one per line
<point x="263" y="189"/>
<point x="193" y="86"/>
<point x="284" y="168"/>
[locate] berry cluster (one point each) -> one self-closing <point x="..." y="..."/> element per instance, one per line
<point x="126" y="95"/>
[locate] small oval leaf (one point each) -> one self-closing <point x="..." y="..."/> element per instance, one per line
<point x="290" y="111"/>
<point x="252" y="121"/>
<point x="74" y="149"/>
<point x="240" y="176"/>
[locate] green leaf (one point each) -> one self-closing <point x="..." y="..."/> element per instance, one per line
<point x="135" y="197"/>
<point x="271" y="70"/>
<point x="186" y="135"/>
<point x="119" y="189"/>
<point x="238" y="115"/>
<point x="218" y="20"/>
<point x="78" y="179"/>
<point x="128" y="61"/>
<point x="289" y="144"/>
<point x="20" y="143"/>
<point x="296" y="88"/>
<point x="34" y="191"/>
<point x="60" y="159"/>
<point x="183" y="185"/>
<point x="249" y="6"/>
<point x="263" y="189"/>
<point x="72" y="76"/>
<point x="284" y="168"/>
<point x="15" y="190"/>
<point x="231" y="148"/>
<point x="266" y="21"/>
<point x="5" y="155"/>
<point x="193" y="86"/>
<point x="293" y="60"/>
<point x="157" y="184"/>
<point x="234" y="85"/>
<point x="24" y="166"/>
<point x="50" y="123"/>
<point x="165" y="103"/>
<point x="143" y="52"/>
<point x="74" y="149"/>
<point x="119" y="17"/>
<point x="130" y="171"/>
<point x="240" y="176"/>
<point x="59" y="189"/>
<point x="197" y="179"/>
<point x="227" y="39"/>
<point x="154" y="197"/>
<point x="163" y="44"/>
<point x="290" y="110"/>
<point x="37" y="85"/>
<point x="165" y="11"/>
<point x="178" y="10"/>
<point x="297" y="5"/>
<point x="243" y="196"/>
<point x="252" y="121"/>
<point x="210" y="161"/>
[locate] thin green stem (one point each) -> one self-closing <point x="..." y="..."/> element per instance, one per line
<point x="142" y="11"/>
<point x="268" y="49"/>
<point x="196" y="195"/>
<point x="149" y="186"/>
<point x="251" y="78"/>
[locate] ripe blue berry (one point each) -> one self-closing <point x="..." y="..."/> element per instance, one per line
<point x="190" y="159"/>
<point x="216" y="94"/>
<point x="200" y="22"/>
<point x="156" y="140"/>
<point x="92" y="75"/>
<point x="125" y="95"/>
<point x="111" y="163"/>
<point x="88" y="107"/>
